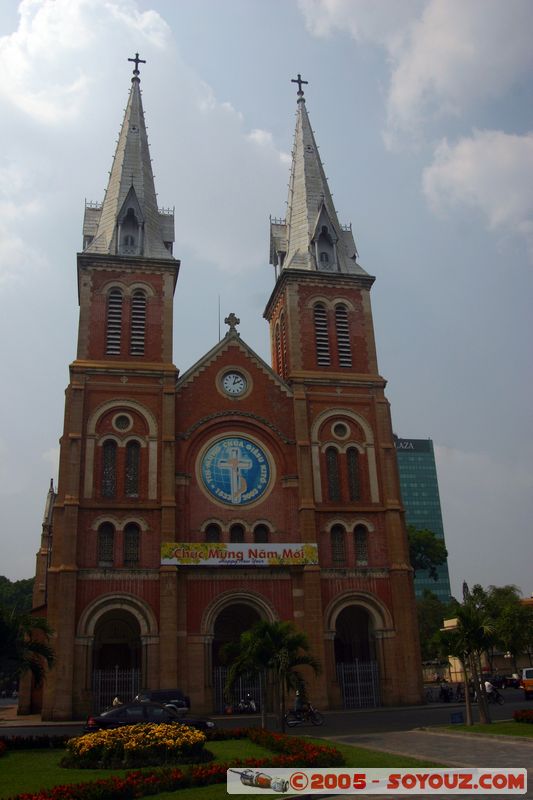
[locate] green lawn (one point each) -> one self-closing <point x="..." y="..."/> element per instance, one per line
<point x="31" y="770"/>
<point x="496" y="729"/>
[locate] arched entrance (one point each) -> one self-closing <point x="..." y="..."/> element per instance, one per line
<point x="232" y="620"/>
<point x="117" y="655"/>
<point x="355" y="657"/>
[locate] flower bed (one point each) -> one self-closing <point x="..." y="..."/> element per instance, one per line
<point x="297" y="753"/>
<point x="136" y="746"/>
<point x="523" y="715"/>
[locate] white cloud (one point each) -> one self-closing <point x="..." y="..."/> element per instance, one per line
<point x="445" y="55"/>
<point x="35" y="76"/>
<point x="491" y="172"/>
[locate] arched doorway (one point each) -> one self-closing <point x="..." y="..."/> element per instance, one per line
<point x="355" y="657"/>
<point x="117" y="654"/>
<point x="230" y="622"/>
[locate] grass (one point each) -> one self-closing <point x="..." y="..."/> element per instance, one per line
<point x="524" y="729"/>
<point x="31" y="770"/>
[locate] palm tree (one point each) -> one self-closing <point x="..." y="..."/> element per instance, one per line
<point x="24" y="645"/>
<point x="274" y="650"/>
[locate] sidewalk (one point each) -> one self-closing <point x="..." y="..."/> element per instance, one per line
<point x="9" y="718"/>
<point x="452" y="749"/>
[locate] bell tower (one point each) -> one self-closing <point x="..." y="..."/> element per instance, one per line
<point x="115" y="500"/>
<point x="322" y="344"/>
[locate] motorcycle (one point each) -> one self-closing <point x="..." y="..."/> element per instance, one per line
<point x="495" y="698"/>
<point x="303" y="717"/>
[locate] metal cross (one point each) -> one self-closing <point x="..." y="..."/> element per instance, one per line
<point x="232" y="321"/>
<point x="137" y="61"/>
<point x="299" y="81"/>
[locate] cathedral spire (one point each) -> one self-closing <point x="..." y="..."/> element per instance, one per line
<point x="311" y="236"/>
<point x="129" y="223"/>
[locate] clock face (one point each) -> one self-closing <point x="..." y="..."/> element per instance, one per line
<point x="234" y="383"/>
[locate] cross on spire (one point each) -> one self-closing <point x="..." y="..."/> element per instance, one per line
<point x="136" y="61"/>
<point x="299" y="81"/>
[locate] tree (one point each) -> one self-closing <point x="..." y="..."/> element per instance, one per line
<point x="274" y="650"/>
<point x="431" y="613"/>
<point x="472" y="635"/>
<point x="24" y="645"/>
<point x="426" y="551"/>
<point x="16" y="594"/>
<point x="512" y="620"/>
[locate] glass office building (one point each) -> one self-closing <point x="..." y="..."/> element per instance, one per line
<point x="421" y="500"/>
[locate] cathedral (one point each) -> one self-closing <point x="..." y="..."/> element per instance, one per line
<point x="192" y="504"/>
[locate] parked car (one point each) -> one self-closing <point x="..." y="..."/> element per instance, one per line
<point x="526" y="682"/>
<point x="144" y="711"/>
<point x="166" y="697"/>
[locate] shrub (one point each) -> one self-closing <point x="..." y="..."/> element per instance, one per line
<point x="135" y="746"/>
<point x="523" y="715"/>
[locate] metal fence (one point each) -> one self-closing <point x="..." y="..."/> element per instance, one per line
<point x="110" y="683"/>
<point x="242" y="688"/>
<point x="359" y="682"/>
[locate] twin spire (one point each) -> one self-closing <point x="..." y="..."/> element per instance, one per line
<point x="128" y="222"/>
<point x="310" y="237"/>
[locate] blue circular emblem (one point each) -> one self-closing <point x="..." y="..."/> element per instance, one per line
<point x="235" y="471"/>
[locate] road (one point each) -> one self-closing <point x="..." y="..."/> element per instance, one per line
<point x="337" y="723"/>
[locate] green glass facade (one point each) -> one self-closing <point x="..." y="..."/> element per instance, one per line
<point x="421" y="500"/>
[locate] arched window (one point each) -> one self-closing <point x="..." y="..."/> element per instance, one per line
<point x="324" y="258"/>
<point x="344" y="347"/>
<point x="138" y="323"/>
<point x="236" y="534"/>
<point x="113" y="322"/>
<point x="321" y="335"/>
<point x="338" y="552"/>
<point x="332" y="472"/>
<point x="261" y="534"/>
<point x="361" y="544"/>
<point x="132" y="537"/>
<point x="212" y="532"/>
<point x="109" y="468"/>
<point x="106" y="542"/>
<point x="133" y="457"/>
<point x="354" y="482"/>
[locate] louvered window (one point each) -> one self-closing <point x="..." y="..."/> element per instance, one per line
<point x="212" y="532"/>
<point x="354" y="482"/>
<point x="321" y="336"/>
<point x="138" y="323"/>
<point x="332" y="471"/>
<point x="133" y="457"/>
<point x="114" y="322"/>
<point x="236" y="533"/>
<point x="261" y="534"/>
<point x="344" y="347"/>
<point x="109" y="469"/>
<point x="338" y="552"/>
<point x="361" y="544"/>
<point x="131" y="544"/>
<point x="106" y="540"/>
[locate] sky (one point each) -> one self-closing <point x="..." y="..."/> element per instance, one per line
<point x="423" y="113"/>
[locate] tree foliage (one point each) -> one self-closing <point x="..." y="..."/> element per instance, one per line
<point x="431" y="614"/>
<point x="277" y="651"/>
<point x="16" y="594"/>
<point x="426" y="551"/>
<point x="24" y="645"/>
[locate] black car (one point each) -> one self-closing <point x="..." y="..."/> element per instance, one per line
<point x="166" y="697"/>
<point x="144" y="711"/>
